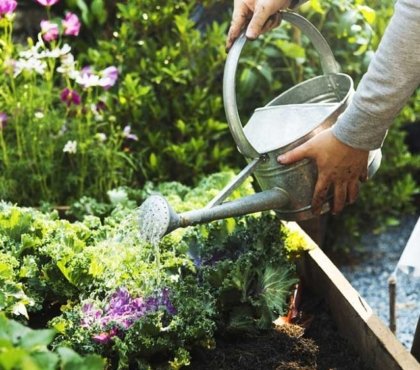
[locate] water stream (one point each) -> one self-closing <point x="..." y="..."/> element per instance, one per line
<point x="153" y="221"/>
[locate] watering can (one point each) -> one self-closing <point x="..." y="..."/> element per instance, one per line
<point x="284" y="123"/>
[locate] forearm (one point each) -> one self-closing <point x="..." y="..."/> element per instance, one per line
<point x="391" y="79"/>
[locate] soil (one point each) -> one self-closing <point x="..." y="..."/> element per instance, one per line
<point x="318" y="345"/>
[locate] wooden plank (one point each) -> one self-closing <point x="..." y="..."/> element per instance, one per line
<point x="355" y="320"/>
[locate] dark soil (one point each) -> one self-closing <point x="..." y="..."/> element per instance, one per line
<point x="289" y="347"/>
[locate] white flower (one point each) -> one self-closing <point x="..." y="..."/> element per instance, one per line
<point x="31" y="64"/>
<point x="39" y="115"/>
<point x="34" y="53"/>
<point x="96" y="113"/>
<point x="128" y="135"/>
<point x="70" y="147"/>
<point x="88" y="80"/>
<point x="101" y="137"/>
<point x="118" y="195"/>
<point x="68" y="65"/>
<point x="57" y="52"/>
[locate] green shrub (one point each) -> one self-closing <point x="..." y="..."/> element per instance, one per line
<point x="171" y="89"/>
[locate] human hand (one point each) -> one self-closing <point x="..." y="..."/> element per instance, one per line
<point x="262" y="16"/>
<point x="340" y="167"/>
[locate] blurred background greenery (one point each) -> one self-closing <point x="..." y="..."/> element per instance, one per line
<point x="171" y="55"/>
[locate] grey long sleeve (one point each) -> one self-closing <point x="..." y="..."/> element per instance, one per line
<point x="392" y="77"/>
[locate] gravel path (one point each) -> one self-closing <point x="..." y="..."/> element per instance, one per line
<point x="370" y="278"/>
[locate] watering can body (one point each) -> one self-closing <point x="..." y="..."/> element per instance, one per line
<point x="289" y="120"/>
<point x="285" y="122"/>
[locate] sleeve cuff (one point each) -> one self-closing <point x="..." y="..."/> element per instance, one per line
<point x="360" y="130"/>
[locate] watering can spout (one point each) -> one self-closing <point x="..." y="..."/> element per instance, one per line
<point x="263" y="201"/>
<point x="157" y="218"/>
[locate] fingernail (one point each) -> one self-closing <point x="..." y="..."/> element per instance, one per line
<point x="281" y="158"/>
<point x="251" y="35"/>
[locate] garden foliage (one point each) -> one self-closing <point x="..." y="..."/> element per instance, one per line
<point x="163" y="119"/>
<point x="56" y="123"/>
<point x="24" y="348"/>
<point x="121" y="99"/>
<point x="107" y="292"/>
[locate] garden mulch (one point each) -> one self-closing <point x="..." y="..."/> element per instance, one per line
<point x="318" y="345"/>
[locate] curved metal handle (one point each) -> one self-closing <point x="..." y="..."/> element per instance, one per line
<point x="328" y="64"/>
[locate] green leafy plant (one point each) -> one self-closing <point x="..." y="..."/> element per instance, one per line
<point x="172" y="61"/>
<point x="24" y="348"/>
<point x="56" y="120"/>
<point x="108" y="292"/>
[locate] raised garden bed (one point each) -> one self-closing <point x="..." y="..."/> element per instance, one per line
<point x="366" y="333"/>
<point x="343" y="332"/>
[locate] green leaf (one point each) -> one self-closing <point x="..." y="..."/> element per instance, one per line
<point x="67" y="355"/>
<point x="37" y="338"/>
<point x="11" y="358"/>
<point x="66" y="272"/>
<point x="46" y="360"/>
<point x="85" y="11"/>
<point x="16" y="331"/>
<point x="99" y="11"/>
<point x="70" y="360"/>
<point x="290" y="49"/>
<point x="368" y="13"/>
<point x="316" y="6"/>
<point x="153" y="160"/>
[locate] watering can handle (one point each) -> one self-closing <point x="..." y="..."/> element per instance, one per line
<point x="328" y="64"/>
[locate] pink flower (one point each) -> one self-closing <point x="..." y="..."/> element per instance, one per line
<point x="108" y="77"/>
<point x="102" y="338"/>
<point x="3" y="120"/>
<point x="47" y="2"/>
<point x="7" y="6"/>
<point x="70" y="97"/>
<point x="71" y="24"/>
<point x="49" y="30"/>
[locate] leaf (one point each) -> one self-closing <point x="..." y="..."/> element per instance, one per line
<point x="316" y="6"/>
<point x="71" y="360"/>
<point x="10" y="358"/>
<point x="37" y="338"/>
<point x="65" y="271"/>
<point x="368" y="13"/>
<point x="230" y="225"/>
<point x="290" y="49"/>
<point x="67" y="355"/>
<point x="99" y="11"/>
<point x="153" y="160"/>
<point x="85" y="11"/>
<point x="46" y="360"/>
<point x="16" y="331"/>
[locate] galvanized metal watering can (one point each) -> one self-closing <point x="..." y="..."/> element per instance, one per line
<point x="285" y="122"/>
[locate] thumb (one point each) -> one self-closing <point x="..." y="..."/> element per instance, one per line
<point x="294" y="155"/>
